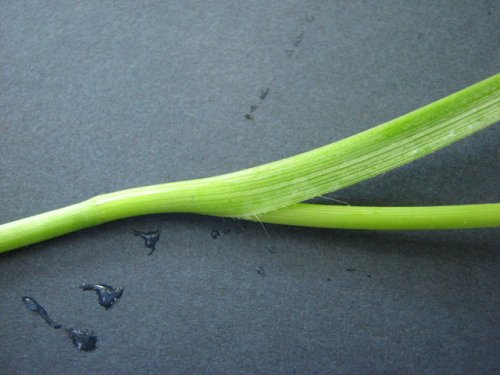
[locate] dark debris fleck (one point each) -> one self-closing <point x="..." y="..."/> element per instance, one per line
<point x="350" y="269"/>
<point x="215" y="234"/>
<point x="248" y="116"/>
<point x="261" y="271"/>
<point x="107" y="294"/>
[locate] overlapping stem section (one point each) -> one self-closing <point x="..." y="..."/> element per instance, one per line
<point x="285" y="182"/>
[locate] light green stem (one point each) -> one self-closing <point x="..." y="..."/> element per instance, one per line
<point x="285" y="182"/>
<point x="385" y="218"/>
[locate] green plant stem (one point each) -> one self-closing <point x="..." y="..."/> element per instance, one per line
<point x="285" y="182"/>
<point x="385" y="218"/>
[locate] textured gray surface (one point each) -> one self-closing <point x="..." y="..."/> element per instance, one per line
<point x="100" y="96"/>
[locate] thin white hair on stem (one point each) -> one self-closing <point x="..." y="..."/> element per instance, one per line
<point x="262" y="225"/>
<point x="335" y="200"/>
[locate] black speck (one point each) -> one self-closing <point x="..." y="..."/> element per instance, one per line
<point x="83" y="340"/>
<point x="351" y="269"/>
<point x="260" y="271"/>
<point x="33" y="305"/>
<point x="289" y="52"/>
<point x="369" y="276"/>
<point x="299" y="39"/>
<point x="248" y="116"/>
<point x="107" y="294"/>
<point x="263" y="93"/>
<point x="215" y="234"/>
<point x="150" y="238"/>
<point x="226" y="231"/>
<point x="328" y="279"/>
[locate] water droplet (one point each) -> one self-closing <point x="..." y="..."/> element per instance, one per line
<point x="150" y="238"/>
<point x="33" y="305"/>
<point x="83" y="339"/>
<point x="107" y="294"/>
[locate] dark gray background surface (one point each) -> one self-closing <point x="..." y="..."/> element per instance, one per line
<point x="97" y="96"/>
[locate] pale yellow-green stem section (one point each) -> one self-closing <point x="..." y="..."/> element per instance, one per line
<point x="385" y="218"/>
<point x="285" y="182"/>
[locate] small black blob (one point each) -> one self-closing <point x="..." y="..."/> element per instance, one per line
<point x="107" y="294"/>
<point x="150" y="238"/>
<point x="248" y="116"/>
<point x="215" y="234"/>
<point x="351" y="269"/>
<point x="82" y="339"/>
<point x="260" y="271"/>
<point x="33" y="305"/>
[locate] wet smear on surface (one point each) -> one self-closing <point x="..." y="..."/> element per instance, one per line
<point x="263" y="93"/>
<point x="33" y="305"/>
<point x="271" y="249"/>
<point x="261" y="271"/>
<point x="82" y="339"/>
<point x="107" y="294"/>
<point x="215" y="234"/>
<point x="150" y="238"/>
<point x="254" y="107"/>
<point x="298" y="39"/>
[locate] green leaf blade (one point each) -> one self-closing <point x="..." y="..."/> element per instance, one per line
<point x="272" y="186"/>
